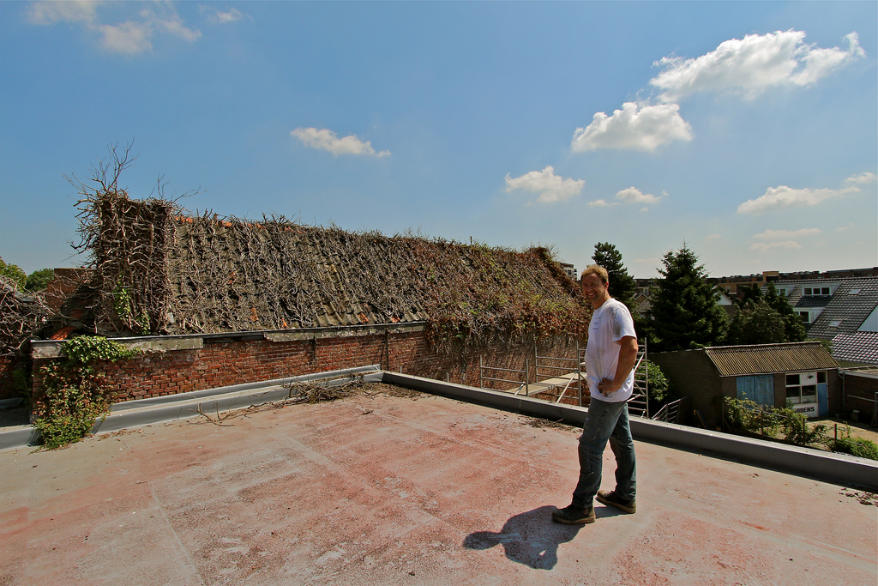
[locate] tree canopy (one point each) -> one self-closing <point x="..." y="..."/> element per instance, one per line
<point x="622" y="285"/>
<point x="764" y="319"/>
<point x="684" y="306"/>
<point x="37" y="280"/>
<point x="13" y="273"/>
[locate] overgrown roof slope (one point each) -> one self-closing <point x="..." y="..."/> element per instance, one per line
<point x="160" y="271"/>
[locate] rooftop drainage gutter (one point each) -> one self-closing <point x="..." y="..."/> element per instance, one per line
<point x="836" y="468"/>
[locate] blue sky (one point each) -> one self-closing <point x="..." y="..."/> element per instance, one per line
<point x="746" y="130"/>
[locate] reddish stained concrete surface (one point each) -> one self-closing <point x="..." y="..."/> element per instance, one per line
<point x="386" y="489"/>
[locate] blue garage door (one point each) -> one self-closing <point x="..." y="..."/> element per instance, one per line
<point x="759" y="388"/>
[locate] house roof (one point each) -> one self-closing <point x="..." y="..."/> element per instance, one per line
<point x="859" y="347"/>
<point x="851" y="304"/>
<point x="813" y="301"/>
<point x="206" y="274"/>
<point x="770" y="358"/>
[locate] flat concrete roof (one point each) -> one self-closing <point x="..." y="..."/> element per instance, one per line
<point x="403" y="487"/>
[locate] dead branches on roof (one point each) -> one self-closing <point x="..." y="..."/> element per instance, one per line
<point x="20" y="315"/>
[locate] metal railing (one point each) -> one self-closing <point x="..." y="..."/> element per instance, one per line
<point x="522" y="383"/>
<point x="543" y="368"/>
<point x="638" y="404"/>
<point x="669" y="413"/>
<point x="548" y="367"/>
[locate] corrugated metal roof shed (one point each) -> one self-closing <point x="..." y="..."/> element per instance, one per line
<point x="770" y="358"/>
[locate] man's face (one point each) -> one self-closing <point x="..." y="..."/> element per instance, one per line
<point x="593" y="288"/>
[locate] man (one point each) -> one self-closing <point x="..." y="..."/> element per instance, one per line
<point x="609" y="363"/>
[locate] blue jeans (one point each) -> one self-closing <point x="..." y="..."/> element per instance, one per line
<point x="605" y="422"/>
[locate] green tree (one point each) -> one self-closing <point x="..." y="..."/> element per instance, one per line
<point x="13" y="273"/>
<point x="748" y="295"/>
<point x="684" y="306"/>
<point x="757" y="323"/>
<point x="622" y="285"/>
<point x="794" y="329"/>
<point x="37" y="280"/>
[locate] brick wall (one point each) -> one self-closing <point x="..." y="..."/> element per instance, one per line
<point x="227" y="361"/>
<point x="7" y="365"/>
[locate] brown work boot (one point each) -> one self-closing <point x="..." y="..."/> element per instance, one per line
<point x="612" y="499"/>
<point x="571" y="515"/>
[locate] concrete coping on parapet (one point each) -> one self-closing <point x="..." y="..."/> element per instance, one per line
<point x="44" y="349"/>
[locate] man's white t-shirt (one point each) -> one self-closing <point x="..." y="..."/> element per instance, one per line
<point x="609" y="324"/>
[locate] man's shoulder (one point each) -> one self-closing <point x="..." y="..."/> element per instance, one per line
<point x="617" y="306"/>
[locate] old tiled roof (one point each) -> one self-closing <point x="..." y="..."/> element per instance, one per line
<point x="853" y="301"/>
<point x="859" y="347"/>
<point x="161" y="271"/>
<point x="770" y="358"/>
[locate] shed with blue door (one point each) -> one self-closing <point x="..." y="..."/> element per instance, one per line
<point x="799" y="375"/>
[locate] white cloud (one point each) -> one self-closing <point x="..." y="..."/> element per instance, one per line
<point x="218" y="16"/>
<point x="783" y="244"/>
<point x="752" y="65"/>
<point x="167" y="20"/>
<point x="129" y="37"/>
<point x="861" y="179"/>
<point x="326" y="140"/>
<point x="601" y="203"/>
<point x="126" y="37"/>
<point x="634" y="195"/>
<point x="636" y="126"/>
<point x="551" y="187"/>
<point x="784" y="196"/>
<point x="46" y="13"/>
<point x="787" y="234"/>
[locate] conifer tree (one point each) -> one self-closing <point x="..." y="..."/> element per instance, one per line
<point x="684" y="306"/>
<point x="622" y="285"/>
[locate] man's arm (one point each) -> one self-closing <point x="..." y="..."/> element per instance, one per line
<point x="627" y="357"/>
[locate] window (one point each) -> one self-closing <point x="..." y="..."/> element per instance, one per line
<point x="805" y="317"/>
<point x="834" y="323"/>
<point x="824" y="290"/>
<point x="802" y="387"/>
<point x="809" y="291"/>
<point x="854" y="292"/>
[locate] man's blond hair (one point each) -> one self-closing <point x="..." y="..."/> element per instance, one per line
<point x="598" y="270"/>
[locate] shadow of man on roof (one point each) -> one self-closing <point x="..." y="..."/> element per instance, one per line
<point x="529" y="538"/>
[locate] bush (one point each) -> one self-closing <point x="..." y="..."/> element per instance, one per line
<point x="745" y="415"/>
<point x="659" y="387"/>
<point x="855" y="446"/>
<point x="74" y="394"/>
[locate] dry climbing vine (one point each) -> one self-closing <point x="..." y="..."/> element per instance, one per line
<point x="20" y="315"/>
<point x="161" y="271"/>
